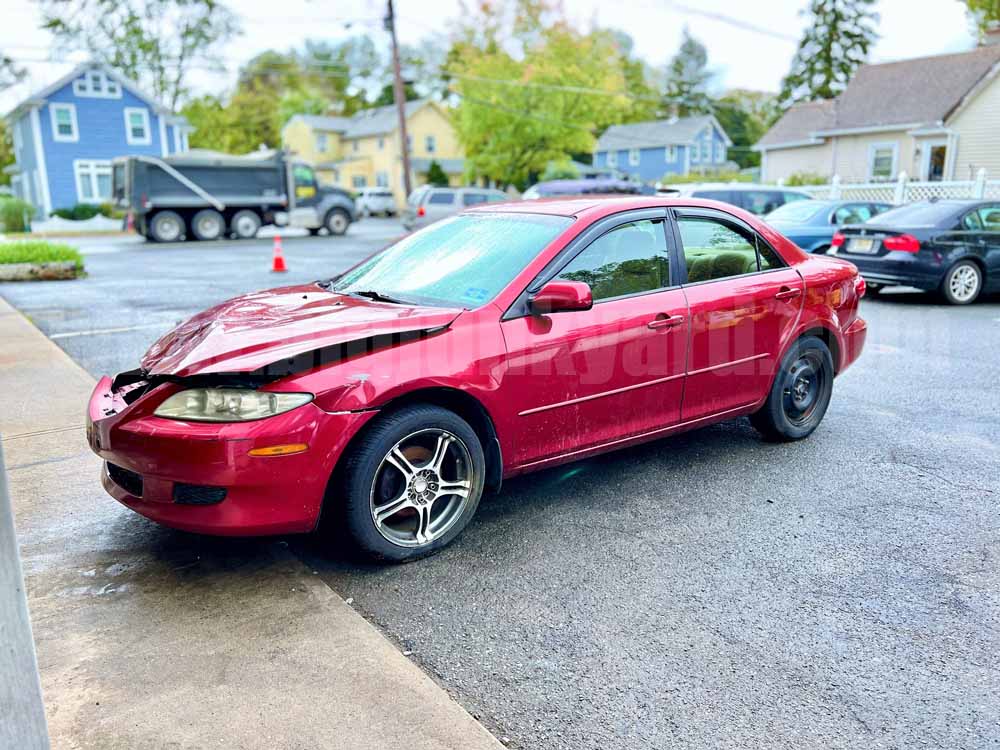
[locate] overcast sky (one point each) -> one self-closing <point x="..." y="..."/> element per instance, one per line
<point x="751" y="50"/>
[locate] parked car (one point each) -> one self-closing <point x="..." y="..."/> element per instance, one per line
<point x="952" y="246"/>
<point x="428" y="204"/>
<point x="811" y="224"/>
<point x="595" y="186"/>
<point x="501" y="341"/>
<point x="375" y="200"/>
<point x="757" y="199"/>
<point x="205" y="195"/>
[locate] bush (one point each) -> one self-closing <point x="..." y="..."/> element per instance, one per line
<point x="84" y="211"/>
<point x="39" y="251"/>
<point x="436" y="175"/>
<point x="727" y="176"/>
<point x="560" y="170"/>
<point x="805" y="178"/>
<point x="13" y="212"/>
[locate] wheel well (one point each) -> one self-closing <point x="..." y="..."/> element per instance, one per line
<point x="975" y="259"/>
<point x="827" y="337"/>
<point x="472" y="411"/>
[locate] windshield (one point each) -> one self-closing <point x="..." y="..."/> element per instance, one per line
<point x="798" y="211"/>
<point x="922" y="214"/>
<point x="463" y="261"/>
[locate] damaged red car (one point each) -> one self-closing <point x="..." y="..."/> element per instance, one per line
<point x="502" y="340"/>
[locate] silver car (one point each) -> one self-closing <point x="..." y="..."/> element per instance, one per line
<point x="428" y="204"/>
<point x="373" y="201"/>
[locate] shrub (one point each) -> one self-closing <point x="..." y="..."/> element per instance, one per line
<point x="560" y="170"/>
<point x="722" y="176"/>
<point x="797" y="179"/>
<point x="436" y="175"/>
<point x="15" y="214"/>
<point x="39" y="251"/>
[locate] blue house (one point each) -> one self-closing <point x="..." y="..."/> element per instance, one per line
<point x="650" y="150"/>
<point x="66" y="135"/>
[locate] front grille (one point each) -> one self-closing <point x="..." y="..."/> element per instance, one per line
<point x="127" y="480"/>
<point x="198" y="494"/>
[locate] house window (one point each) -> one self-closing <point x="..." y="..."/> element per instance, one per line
<point x="321" y="142"/>
<point x="695" y="153"/>
<point x="670" y="154"/>
<point x="137" y="126"/>
<point x="382" y="179"/>
<point x="97" y="84"/>
<point x="356" y="146"/>
<point x="93" y="181"/>
<point x="381" y="144"/>
<point x="706" y="151"/>
<point x="719" y="154"/>
<point x="882" y="159"/>
<point x="633" y="157"/>
<point x="430" y="143"/>
<point x="64" y="123"/>
<point x="612" y="158"/>
<point x="184" y="140"/>
<point x="359" y="181"/>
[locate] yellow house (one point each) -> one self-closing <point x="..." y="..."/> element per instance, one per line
<point x="935" y="118"/>
<point x="364" y="150"/>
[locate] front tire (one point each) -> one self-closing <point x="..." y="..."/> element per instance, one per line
<point x="412" y="483"/>
<point x="962" y="284"/>
<point x="800" y="394"/>
<point x="337" y="222"/>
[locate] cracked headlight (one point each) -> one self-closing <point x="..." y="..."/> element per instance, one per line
<point x="228" y="404"/>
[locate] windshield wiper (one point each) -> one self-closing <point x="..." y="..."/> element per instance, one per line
<point x="379" y="297"/>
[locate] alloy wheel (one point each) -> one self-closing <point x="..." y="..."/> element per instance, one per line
<point x="964" y="283"/>
<point x="421" y="487"/>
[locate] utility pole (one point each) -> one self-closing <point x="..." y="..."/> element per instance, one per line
<point x="399" y="93"/>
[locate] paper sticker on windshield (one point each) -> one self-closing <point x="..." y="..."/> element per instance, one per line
<point x="475" y="294"/>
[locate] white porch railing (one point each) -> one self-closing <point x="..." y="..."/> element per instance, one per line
<point x="905" y="190"/>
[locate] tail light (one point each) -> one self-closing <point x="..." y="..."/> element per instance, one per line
<point x="837" y="240"/>
<point x="860" y="286"/>
<point x="421" y="211"/>
<point x="905" y="242"/>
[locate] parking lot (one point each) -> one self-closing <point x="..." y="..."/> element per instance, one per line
<point x="708" y="590"/>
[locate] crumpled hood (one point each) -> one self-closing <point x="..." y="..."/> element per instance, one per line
<point x="250" y="332"/>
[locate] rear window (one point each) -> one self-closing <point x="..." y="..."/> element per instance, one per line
<point x="441" y="199"/>
<point x="416" y="196"/>
<point x="922" y="214"/>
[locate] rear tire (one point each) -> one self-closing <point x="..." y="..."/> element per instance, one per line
<point x="391" y="474"/>
<point x="208" y="225"/>
<point x="800" y="393"/>
<point x="337" y="221"/>
<point x="166" y="226"/>
<point x="245" y="224"/>
<point x="962" y="283"/>
<point x="873" y="289"/>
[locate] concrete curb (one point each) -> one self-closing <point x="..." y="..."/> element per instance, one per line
<point x="151" y="638"/>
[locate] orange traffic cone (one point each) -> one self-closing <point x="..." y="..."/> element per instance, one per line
<point x="278" y="262"/>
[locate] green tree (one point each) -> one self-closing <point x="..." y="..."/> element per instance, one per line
<point x="387" y="95"/>
<point x="6" y="152"/>
<point x="985" y="14"/>
<point x="745" y="116"/>
<point x="563" y="169"/>
<point x="640" y="89"/>
<point x="688" y="77"/>
<point x="436" y="175"/>
<point x="532" y="89"/>
<point x="836" y="41"/>
<point x="10" y="72"/>
<point x="155" y="42"/>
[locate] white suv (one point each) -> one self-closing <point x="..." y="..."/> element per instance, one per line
<point x="375" y="200"/>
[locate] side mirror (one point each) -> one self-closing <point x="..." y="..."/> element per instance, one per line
<point x="561" y="296"/>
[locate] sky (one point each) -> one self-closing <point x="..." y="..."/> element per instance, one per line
<point x="752" y="49"/>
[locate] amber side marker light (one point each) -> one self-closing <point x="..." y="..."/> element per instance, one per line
<point x="280" y="450"/>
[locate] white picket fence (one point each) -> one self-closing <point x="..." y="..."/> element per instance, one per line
<point x="905" y="190"/>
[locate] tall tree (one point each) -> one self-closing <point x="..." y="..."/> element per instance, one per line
<point x="155" y="42"/>
<point x="688" y="77"/>
<point x="640" y="87"/>
<point x="836" y="41"/>
<point x="985" y="14"/>
<point x="745" y="116"/>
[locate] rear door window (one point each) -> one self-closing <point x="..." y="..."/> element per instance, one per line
<point x="726" y="196"/>
<point x="473" y="199"/>
<point x="714" y="249"/>
<point x="441" y="198"/>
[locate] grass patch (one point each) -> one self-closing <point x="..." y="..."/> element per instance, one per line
<point x="39" y="251"/>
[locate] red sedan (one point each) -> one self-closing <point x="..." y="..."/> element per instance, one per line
<point x="500" y="341"/>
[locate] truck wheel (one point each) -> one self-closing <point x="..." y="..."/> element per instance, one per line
<point x="208" y="224"/>
<point x="337" y="221"/>
<point x="166" y="226"/>
<point x="245" y="224"/>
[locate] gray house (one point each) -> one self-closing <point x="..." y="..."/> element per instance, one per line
<point x="650" y="150"/>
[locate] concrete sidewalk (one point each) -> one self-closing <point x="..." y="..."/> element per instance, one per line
<point x="151" y="638"/>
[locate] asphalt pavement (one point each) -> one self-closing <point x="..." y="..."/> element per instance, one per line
<point x="707" y="590"/>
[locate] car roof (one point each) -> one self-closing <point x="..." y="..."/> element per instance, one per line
<point x="594" y="207"/>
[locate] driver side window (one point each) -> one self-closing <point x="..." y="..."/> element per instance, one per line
<point x="629" y="259"/>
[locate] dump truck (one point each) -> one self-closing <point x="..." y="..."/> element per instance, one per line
<point x="206" y="195"/>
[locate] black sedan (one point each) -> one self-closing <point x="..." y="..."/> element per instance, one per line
<point x="952" y="246"/>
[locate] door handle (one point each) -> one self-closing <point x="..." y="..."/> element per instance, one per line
<point x="786" y="293"/>
<point x="665" y="321"/>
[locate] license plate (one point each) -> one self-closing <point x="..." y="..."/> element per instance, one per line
<point x="862" y="245"/>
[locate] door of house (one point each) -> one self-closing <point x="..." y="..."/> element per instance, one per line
<point x="935" y="155"/>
